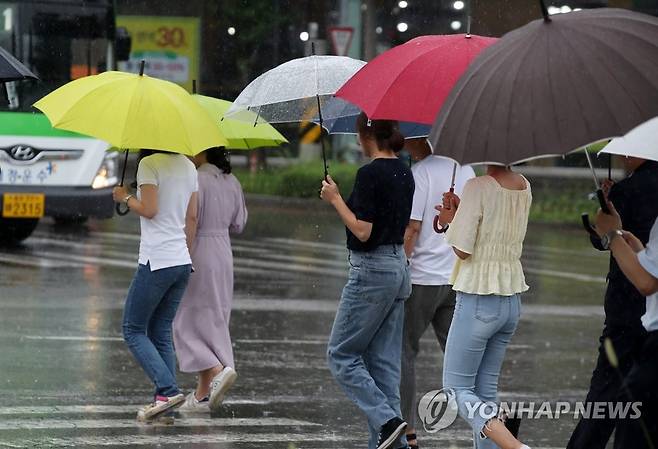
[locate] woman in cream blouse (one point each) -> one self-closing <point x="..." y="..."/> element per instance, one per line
<point x="486" y="230"/>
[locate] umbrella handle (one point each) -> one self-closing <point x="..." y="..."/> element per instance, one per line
<point x="437" y="226"/>
<point x="588" y="226"/>
<point x="121" y="211"/>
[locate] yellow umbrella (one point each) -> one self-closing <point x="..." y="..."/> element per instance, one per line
<point x="240" y="134"/>
<point x="133" y="111"/>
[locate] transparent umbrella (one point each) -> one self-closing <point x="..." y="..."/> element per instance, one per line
<point x="299" y="90"/>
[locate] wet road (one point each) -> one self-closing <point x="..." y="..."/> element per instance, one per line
<point x="67" y="379"/>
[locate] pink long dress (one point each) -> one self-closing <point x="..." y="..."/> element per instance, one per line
<point x="201" y="326"/>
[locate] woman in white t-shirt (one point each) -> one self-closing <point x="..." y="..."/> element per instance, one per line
<point x="166" y="203"/>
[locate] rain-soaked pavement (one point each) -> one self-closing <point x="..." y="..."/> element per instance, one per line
<point x="67" y="379"/>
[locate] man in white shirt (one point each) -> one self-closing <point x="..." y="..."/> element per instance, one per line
<point x="640" y="265"/>
<point x="432" y="299"/>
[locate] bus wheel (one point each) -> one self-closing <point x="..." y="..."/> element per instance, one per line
<point x="15" y="230"/>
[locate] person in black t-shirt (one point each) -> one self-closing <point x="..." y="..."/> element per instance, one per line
<point x="364" y="349"/>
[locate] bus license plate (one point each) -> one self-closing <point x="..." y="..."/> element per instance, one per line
<point x="23" y="205"/>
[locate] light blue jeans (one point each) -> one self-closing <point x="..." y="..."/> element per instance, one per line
<point x="365" y="346"/>
<point x="482" y="327"/>
<point x="150" y="309"/>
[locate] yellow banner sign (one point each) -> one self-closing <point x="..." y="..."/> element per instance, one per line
<point x="168" y="45"/>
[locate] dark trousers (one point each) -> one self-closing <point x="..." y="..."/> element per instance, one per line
<point x="606" y="383"/>
<point x="641" y="385"/>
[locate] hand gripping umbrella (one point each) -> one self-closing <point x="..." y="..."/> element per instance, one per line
<point x="132" y="111"/>
<point x="640" y="142"/>
<point x="298" y="90"/>
<point x="552" y="86"/>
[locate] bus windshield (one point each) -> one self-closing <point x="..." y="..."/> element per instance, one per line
<point x="58" y="40"/>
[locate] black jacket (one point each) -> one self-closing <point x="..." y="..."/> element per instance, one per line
<point x="636" y="200"/>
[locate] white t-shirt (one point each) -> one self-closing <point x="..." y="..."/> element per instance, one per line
<point x="162" y="241"/>
<point x="432" y="259"/>
<point x="649" y="260"/>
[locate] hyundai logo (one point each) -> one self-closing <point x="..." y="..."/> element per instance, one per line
<point x="23" y="153"/>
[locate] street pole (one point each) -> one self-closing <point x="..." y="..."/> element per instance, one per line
<point x="369" y="25"/>
<point x="350" y="16"/>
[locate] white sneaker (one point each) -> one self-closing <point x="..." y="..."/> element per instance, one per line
<point x="161" y="405"/>
<point x="220" y="384"/>
<point x="193" y="405"/>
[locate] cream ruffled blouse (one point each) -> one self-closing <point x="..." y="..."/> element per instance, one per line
<point x="490" y="225"/>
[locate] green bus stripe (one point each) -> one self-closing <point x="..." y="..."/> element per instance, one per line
<point x="30" y="124"/>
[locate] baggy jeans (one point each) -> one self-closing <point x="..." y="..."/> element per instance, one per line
<point x="428" y="304"/>
<point x="365" y="346"/>
<point x="481" y="329"/>
<point x="150" y="309"/>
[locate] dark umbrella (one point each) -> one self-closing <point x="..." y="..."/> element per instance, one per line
<point x="553" y="86"/>
<point x="11" y="69"/>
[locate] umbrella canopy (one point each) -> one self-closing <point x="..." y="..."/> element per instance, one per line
<point x="11" y="69"/>
<point x="133" y="111"/>
<point x="240" y="135"/>
<point x="410" y="82"/>
<point x="641" y="141"/>
<point x="553" y="86"/>
<point x="298" y="90"/>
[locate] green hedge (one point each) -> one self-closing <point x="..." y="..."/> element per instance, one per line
<point x="299" y="181"/>
<point x="554" y="200"/>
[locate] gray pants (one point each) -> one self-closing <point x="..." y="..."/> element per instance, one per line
<point x="427" y="304"/>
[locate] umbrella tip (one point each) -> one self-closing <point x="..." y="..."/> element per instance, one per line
<point x="194" y="87"/>
<point x="468" y="27"/>
<point x="544" y="11"/>
<point x="313" y="48"/>
<point x="141" y="68"/>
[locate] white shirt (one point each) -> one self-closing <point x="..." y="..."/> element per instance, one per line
<point x="432" y="259"/>
<point x="648" y="258"/>
<point x="162" y="242"/>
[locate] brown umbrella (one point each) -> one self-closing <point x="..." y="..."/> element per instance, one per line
<point x="552" y="86"/>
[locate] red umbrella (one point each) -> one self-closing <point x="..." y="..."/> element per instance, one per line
<point x="410" y="82"/>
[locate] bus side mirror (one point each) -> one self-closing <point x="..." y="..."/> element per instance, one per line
<point x="122" y="44"/>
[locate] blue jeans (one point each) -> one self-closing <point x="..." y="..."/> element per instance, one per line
<point x="482" y="327"/>
<point x="365" y="346"/>
<point x="150" y="309"/>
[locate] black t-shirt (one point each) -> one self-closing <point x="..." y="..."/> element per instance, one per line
<point x="383" y="195"/>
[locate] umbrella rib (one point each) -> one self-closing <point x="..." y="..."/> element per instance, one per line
<point x="125" y="123"/>
<point x="528" y="51"/>
<point x="400" y="73"/>
<point x="499" y="61"/>
<point x="61" y="120"/>
<point x="585" y="67"/>
<point x="612" y="73"/>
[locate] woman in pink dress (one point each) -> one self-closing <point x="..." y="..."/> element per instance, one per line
<point x="201" y="327"/>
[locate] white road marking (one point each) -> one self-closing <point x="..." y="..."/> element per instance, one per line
<point x="565" y="275"/>
<point x="307" y="244"/>
<point x="91" y="338"/>
<point x="85" y="338"/>
<point x="51" y="424"/>
<point x="266" y="265"/>
<point x="278" y="439"/>
<point x="130" y="409"/>
<point x="32" y="261"/>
